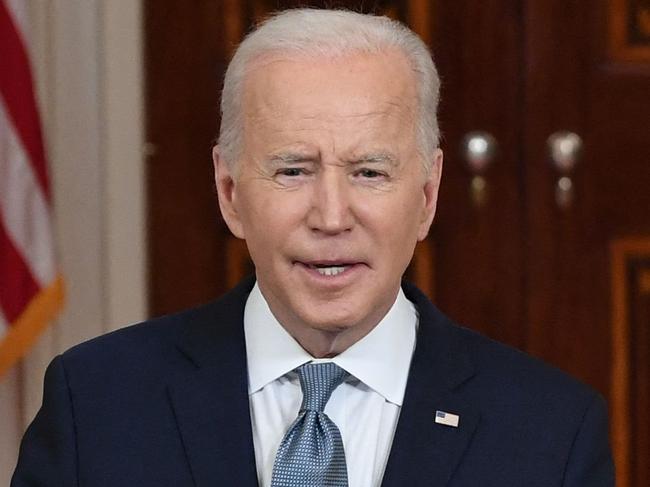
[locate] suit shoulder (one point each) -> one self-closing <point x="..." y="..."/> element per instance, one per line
<point x="516" y="370"/>
<point x="500" y="368"/>
<point x="157" y="348"/>
<point x="134" y="347"/>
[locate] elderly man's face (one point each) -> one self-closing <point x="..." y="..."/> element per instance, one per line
<point x="330" y="194"/>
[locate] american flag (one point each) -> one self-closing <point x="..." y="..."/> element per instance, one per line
<point x="448" y="419"/>
<point x="31" y="290"/>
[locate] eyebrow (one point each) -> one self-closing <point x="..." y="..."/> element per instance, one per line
<point x="375" y="158"/>
<point x="290" y="158"/>
<point x="369" y="158"/>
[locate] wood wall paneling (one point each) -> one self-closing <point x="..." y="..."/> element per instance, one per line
<point x="477" y="46"/>
<point x="182" y="81"/>
<point x="567" y="249"/>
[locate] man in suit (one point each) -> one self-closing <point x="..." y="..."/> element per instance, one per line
<point x="325" y="369"/>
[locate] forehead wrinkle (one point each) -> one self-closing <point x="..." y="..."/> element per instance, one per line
<point x="278" y="118"/>
<point x="357" y="147"/>
<point x="260" y="105"/>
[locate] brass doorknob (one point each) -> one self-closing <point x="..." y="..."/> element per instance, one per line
<point x="564" y="148"/>
<point x="479" y="149"/>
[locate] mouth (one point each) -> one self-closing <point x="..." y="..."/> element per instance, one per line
<point x="329" y="268"/>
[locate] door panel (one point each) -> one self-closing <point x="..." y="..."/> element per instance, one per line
<point x="574" y="83"/>
<point x="186" y="50"/>
<point x="477" y="47"/>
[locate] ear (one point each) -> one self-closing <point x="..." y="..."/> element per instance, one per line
<point x="431" y="186"/>
<point x="227" y="194"/>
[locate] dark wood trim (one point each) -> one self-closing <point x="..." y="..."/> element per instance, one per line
<point x="423" y="268"/>
<point x="644" y="282"/>
<point x="238" y="262"/>
<point x="621" y="251"/>
<point x="234" y="24"/>
<point x="420" y="13"/>
<point x="620" y="47"/>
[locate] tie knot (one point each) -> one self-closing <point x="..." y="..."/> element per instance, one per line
<point x="318" y="381"/>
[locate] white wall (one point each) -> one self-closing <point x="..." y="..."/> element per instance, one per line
<point x="87" y="59"/>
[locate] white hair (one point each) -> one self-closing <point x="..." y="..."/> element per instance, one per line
<point x="329" y="33"/>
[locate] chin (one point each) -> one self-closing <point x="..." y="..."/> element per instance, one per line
<point x="332" y="326"/>
<point x="342" y="311"/>
<point x="328" y="320"/>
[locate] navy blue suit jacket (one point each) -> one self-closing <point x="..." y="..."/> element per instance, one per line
<point x="165" y="403"/>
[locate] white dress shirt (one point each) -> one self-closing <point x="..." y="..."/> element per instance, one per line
<point x="365" y="407"/>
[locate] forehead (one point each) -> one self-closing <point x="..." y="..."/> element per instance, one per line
<point x="356" y="88"/>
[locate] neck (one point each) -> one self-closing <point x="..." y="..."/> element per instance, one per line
<point x="325" y="343"/>
<point x="320" y="338"/>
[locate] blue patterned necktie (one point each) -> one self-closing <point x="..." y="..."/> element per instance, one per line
<point x="311" y="453"/>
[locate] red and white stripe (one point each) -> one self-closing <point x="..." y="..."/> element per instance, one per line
<point x="30" y="289"/>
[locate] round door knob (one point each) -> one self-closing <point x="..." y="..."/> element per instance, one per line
<point x="479" y="148"/>
<point x="564" y="148"/>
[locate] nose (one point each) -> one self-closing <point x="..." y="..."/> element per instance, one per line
<point x="331" y="212"/>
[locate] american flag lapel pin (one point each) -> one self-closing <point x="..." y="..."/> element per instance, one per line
<point x="448" y="419"/>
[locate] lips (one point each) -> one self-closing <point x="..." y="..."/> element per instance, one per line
<point x="332" y="270"/>
<point x="329" y="268"/>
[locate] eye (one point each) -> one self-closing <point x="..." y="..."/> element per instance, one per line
<point x="369" y="173"/>
<point x="291" y="171"/>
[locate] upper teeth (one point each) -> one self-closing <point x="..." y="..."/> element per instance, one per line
<point x="330" y="271"/>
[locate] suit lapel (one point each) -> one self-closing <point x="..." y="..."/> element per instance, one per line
<point x="423" y="451"/>
<point x="210" y="400"/>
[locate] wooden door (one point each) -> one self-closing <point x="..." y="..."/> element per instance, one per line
<point x="478" y="244"/>
<point x="587" y="70"/>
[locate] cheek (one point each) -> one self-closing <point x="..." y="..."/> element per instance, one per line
<point x="399" y="226"/>
<point x="401" y="213"/>
<point x="270" y="216"/>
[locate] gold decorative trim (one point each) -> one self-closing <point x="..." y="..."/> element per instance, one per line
<point x="419" y="18"/>
<point x="621" y="251"/>
<point x="237" y="261"/>
<point x="24" y="331"/>
<point x="422" y="268"/>
<point x="233" y="24"/>
<point x="644" y="282"/>
<point x="621" y="47"/>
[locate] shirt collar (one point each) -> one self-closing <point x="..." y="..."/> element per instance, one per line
<point x="380" y="360"/>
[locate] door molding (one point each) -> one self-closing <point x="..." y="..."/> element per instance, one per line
<point x="630" y="288"/>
